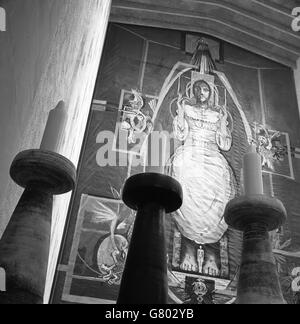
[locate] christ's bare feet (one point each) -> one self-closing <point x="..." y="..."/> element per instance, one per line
<point x="210" y="268"/>
<point x="189" y="262"/>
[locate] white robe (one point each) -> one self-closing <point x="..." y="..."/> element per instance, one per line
<point x="204" y="174"/>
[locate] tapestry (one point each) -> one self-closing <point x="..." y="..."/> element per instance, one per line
<point x="201" y="114"/>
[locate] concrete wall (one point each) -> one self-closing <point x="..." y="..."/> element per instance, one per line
<point x="50" y="52"/>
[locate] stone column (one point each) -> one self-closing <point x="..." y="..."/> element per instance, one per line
<point x="50" y="52"/>
<point x="256" y="216"/>
<point x="145" y="276"/>
<point x="24" y="247"/>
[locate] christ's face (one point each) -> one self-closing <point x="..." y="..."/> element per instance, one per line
<point x="202" y="92"/>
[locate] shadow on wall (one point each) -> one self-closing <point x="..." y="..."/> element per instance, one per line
<point x="2" y="20"/>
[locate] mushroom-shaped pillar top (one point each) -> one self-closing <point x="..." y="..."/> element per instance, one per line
<point x="43" y="170"/>
<point x="245" y="210"/>
<point x="153" y="187"/>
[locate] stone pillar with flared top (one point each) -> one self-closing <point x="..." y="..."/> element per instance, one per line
<point x="24" y="247"/>
<point x="145" y="276"/>
<point x="256" y="216"/>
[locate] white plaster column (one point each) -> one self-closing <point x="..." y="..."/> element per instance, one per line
<point x="50" y="52"/>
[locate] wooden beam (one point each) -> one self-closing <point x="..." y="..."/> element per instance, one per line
<point x="121" y="15"/>
<point x="168" y="9"/>
<point x="257" y="17"/>
<point x="192" y="22"/>
<point x="275" y="7"/>
<point x="231" y="6"/>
